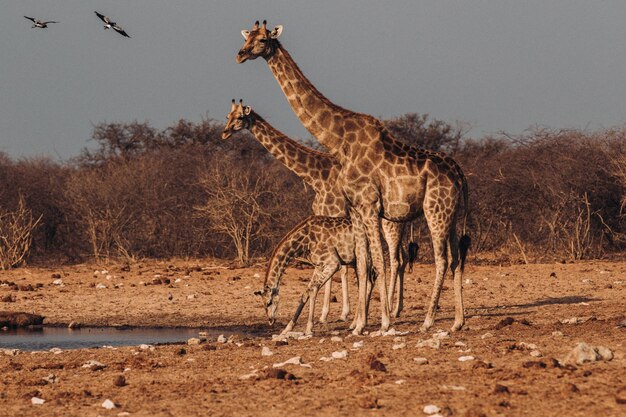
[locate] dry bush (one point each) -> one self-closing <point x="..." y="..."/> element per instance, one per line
<point x="16" y="235"/>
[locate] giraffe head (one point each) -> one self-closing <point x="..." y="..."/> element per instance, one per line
<point x="259" y="42"/>
<point x="269" y="298"/>
<point x="239" y="118"/>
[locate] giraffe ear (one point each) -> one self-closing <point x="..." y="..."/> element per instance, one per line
<point x="276" y="32"/>
<point x="247" y="110"/>
<point x="245" y="34"/>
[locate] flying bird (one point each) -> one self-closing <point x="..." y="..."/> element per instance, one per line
<point x="40" y="23"/>
<point x="111" y="25"/>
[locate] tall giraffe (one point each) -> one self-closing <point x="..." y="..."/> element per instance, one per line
<point x="319" y="170"/>
<point x="327" y="243"/>
<point x="380" y="176"/>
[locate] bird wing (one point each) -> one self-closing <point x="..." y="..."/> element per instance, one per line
<point x="50" y="21"/>
<point x="120" y="31"/>
<point x="103" y="18"/>
<point x="30" y="18"/>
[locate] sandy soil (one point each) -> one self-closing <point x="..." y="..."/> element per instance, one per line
<point x="375" y="379"/>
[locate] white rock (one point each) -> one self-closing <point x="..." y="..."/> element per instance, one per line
<point x="536" y="354"/>
<point x="340" y="354"/>
<point x="37" y="401"/>
<point x="486" y="335"/>
<point x="454" y="387"/>
<point x="10" y="352"/>
<point x="191" y="296"/>
<point x="466" y="358"/>
<point x="586" y="353"/>
<point x="398" y="346"/>
<point x="459" y="344"/>
<point x="92" y="363"/>
<point x="252" y="374"/>
<point x="265" y="351"/>
<point x="104" y="272"/>
<point x="109" y="277"/>
<point x="108" y="404"/>
<point x="143" y="346"/>
<point x="257" y="275"/>
<point x="326" y="359"/>
<point x="177" y="280"/>
<point x="51" y="379"/>
<point x="100" y="286"/>
<point x="57" y="281"/>
<point x="336" y="339"/>
<point x="203" y="336"/>
<point x="56" y="350"/>
<point x="357" y="345"/>
<point x="431" y="409"/>
<point x="193" y="341"/>
<point x="296" y="360"/>
<point x="221" y="339"/>
<point x="400" y="381"/>
<point x="430" y="343"/>
<point x="557" y="334"/>
<point x="420" y="361"/>
<point x="441" y="335"/>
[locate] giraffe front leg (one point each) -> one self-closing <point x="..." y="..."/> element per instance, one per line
<point x="373" y="230"/>
<point x="303" y="299"/>
<point x="345" y="309"/>
<point x="313" y="295"/>
<point x="441" y="263"/>
<point x="393" y="236"/>
<point x="362" y="268"/>
<point x="326" y="304"/>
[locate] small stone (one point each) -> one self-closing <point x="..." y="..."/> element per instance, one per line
<point x="108" y="404"/>
<point x="400" y="381"/>
<point x="37" y="401"/>
<point x="398" y="346"/>
<point x="193" y="341"/>
<point x="101" y="286"/>
<point x="221" y="339"/>
<point x="257" y="275"/>
<point x="119" y="381"/>
<point x="144" y="346"/>
<point x="501" y="389"/>
<point x="431" y="343"/>
<point x="191" y="296"/>
<point x="459" y="344"/>
<point x="56" y="350"/>
<point x="94" y="365"/>
<point x="336" y="339"/>
<point x="620" y="397"/>
<point x="57" y="282"/>
<point x="604" y="352"/>
<point x="431" y="409"/>
<point x="376" y="365"/>
<point x="504" y="322"/>
<point x="340" y="354"/>
<point x="486" y="335"/>
<point x="420" y="361"/>
<point x="50" y="379"/>
<point x="585" y="353"/>
<point x="466" y="358"/>
<point x="357" y="345"/>
<point x="557" y="334"/>
<point x="536" y="354"/>
<point x="265" y="351"/>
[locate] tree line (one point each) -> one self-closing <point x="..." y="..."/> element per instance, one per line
<point x="184" y="192"/>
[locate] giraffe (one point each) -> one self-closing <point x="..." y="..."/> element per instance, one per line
<point x="319" y="170"/>
<point x="327" y="243"/>
<point x="380" y="176"/>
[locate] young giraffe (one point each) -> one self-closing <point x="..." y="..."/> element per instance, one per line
<point x="380" y="176"/>
<point x="327" y="243"/>
<point x="320" y="170"/>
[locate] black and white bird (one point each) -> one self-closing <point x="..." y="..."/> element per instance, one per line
<point x="111" y="25"/>
<point x="40" y="23"/>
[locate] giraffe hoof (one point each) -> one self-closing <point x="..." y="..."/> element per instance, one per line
<point x="425" y="327"/>
<point x="357" y="331"/>
<point x="344" y="317"/>
<point x="456" y="327"/>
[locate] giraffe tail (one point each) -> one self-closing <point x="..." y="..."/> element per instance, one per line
<point x="465" y="241"/>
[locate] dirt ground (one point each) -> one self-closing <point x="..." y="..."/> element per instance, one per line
<point x="509" y="309"/>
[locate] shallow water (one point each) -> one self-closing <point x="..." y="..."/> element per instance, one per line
<point x="61" y="337"/>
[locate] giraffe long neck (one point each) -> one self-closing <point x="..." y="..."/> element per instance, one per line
<point x="318" y="114"/>
<point x="310" y="165"/>
<point x="293" y="244"/>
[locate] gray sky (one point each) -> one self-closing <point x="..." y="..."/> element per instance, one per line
<point x="499" y="65"/>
